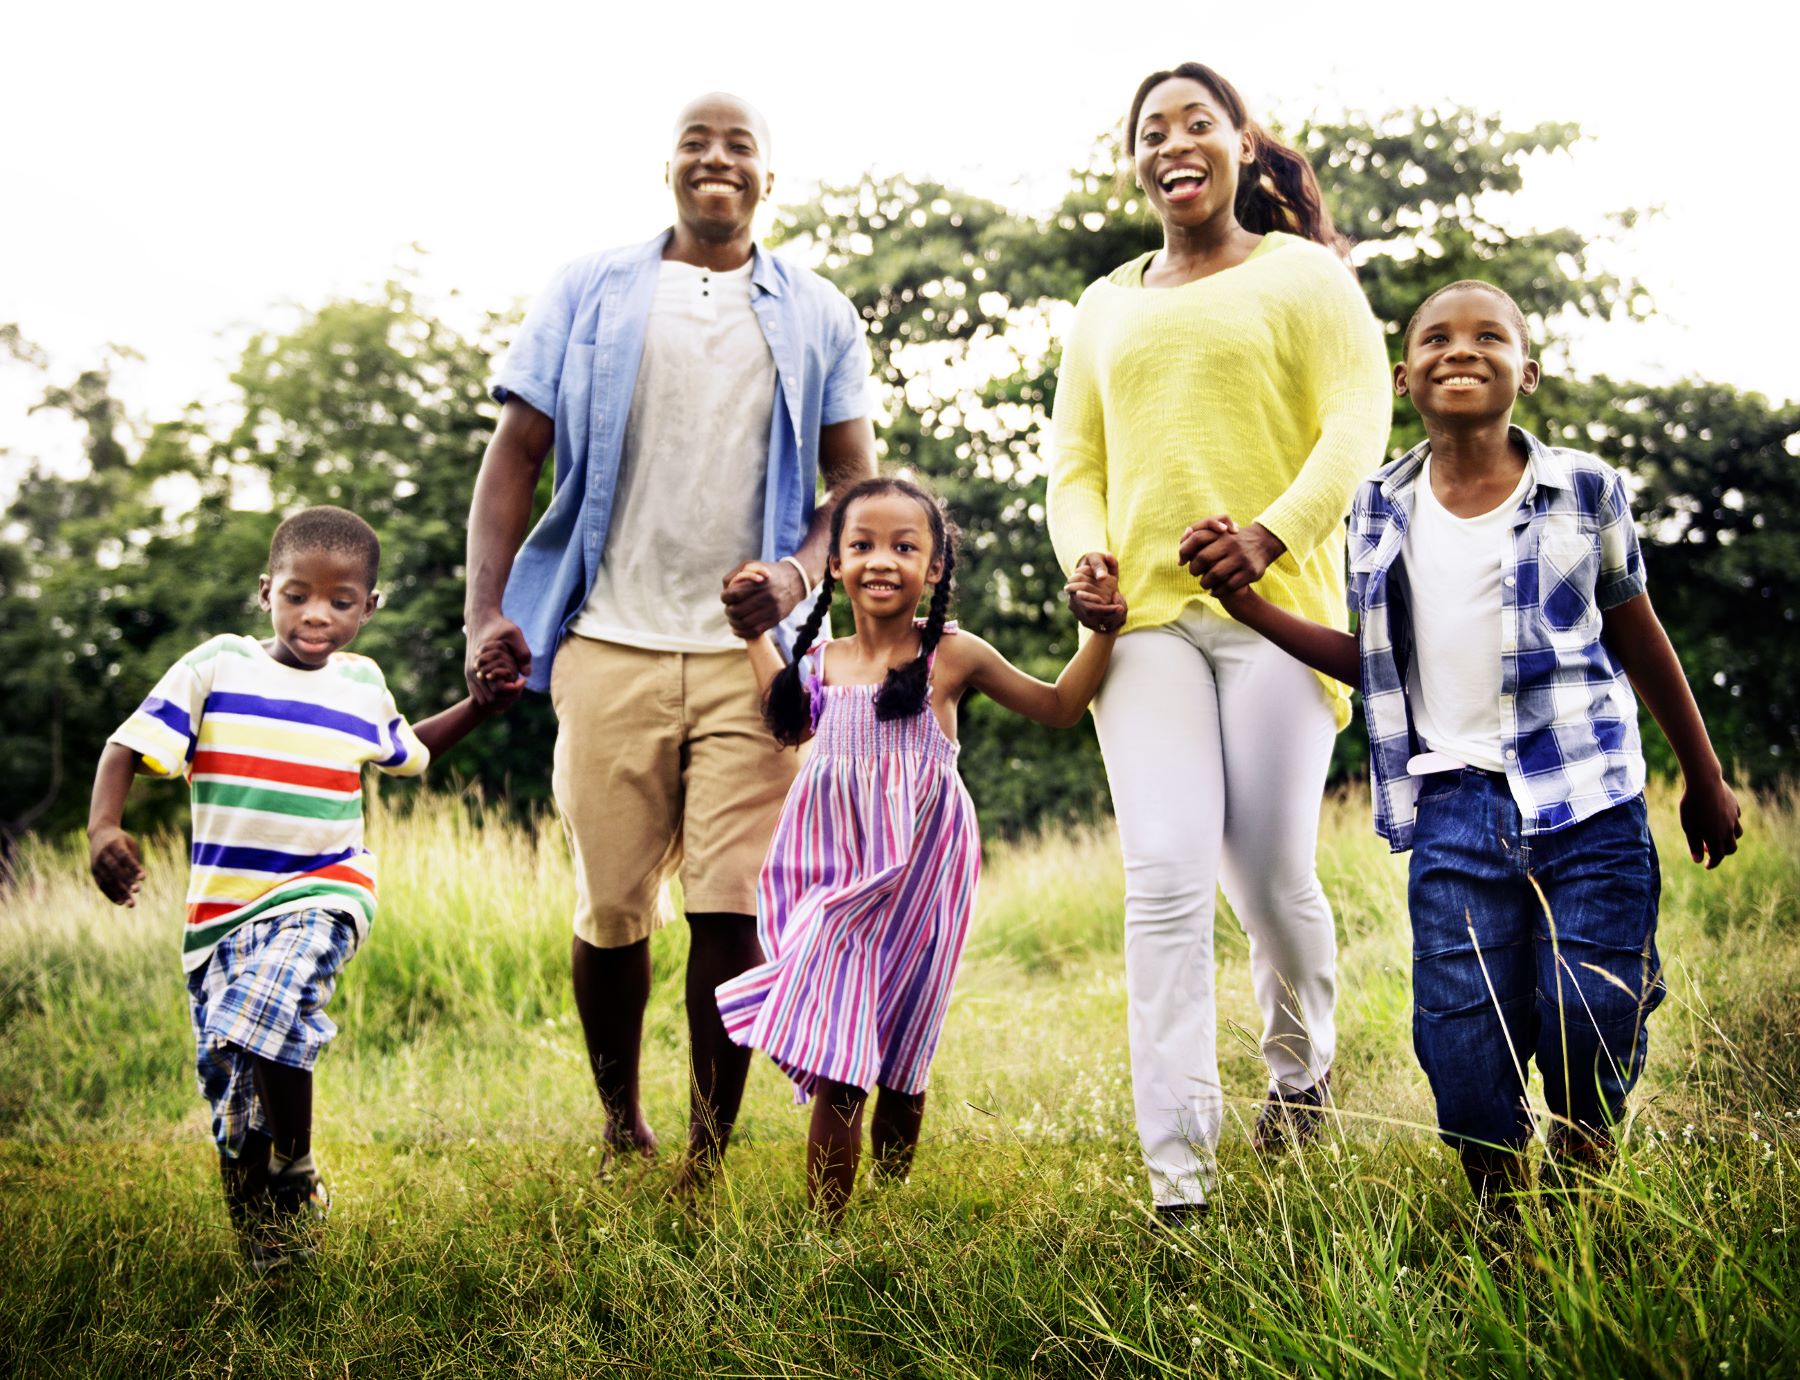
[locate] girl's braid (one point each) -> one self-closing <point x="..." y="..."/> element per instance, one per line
<point x="787" y="709"/>
<point x="903" y="693"/>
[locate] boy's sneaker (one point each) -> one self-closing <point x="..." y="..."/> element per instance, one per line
<point x="286" y="1225"/>
<point x="245" y="1177"/>
<point x="1291" y="1118"/>
<point x="298" y="1198"/>
<point x="1498" y="1177"/>
<point x="1575" y="1155"/>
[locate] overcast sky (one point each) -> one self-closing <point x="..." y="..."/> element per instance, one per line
<point x="176" y="175"/>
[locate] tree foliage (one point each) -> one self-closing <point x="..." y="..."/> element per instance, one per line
<point x="107" y="579"/>
<point x="380" y="406"/>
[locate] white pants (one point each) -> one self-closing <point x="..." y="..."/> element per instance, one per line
<point x="1216" y="745"/>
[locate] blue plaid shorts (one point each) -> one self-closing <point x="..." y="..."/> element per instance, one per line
<point x="262" y="995"/>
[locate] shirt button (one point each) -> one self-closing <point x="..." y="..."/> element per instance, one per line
<point x="1511" y="756"/>
<point x="1510" y="582"/>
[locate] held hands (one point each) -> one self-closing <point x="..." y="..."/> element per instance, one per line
<point x="113" y="859"/>
<point x="1709" y="818"/>
<point x="496" y="663"/>
<point x="758" y="595"/>
<point x="1227" y="558"/>
<point x="1093" y="593"/>
<point x="496" y="669"/>
<point x="1199" y="535"/>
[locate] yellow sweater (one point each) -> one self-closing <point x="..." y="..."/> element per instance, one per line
<point x="1260" y="391"/>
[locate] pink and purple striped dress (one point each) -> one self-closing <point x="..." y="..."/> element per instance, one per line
<point x="864" y="902"/>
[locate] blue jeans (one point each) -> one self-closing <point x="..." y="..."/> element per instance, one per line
<point x="1502" y="975"/>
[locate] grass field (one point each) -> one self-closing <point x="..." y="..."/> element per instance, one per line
<point x="471" y="1233"/>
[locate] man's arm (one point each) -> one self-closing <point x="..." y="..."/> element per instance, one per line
<point x="498" y="516"/>
<point x="846" y="458"/>
<point x="1709" y="810"/>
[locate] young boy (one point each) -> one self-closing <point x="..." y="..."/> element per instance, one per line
<point x="272" y="736"/>
<point x="1502" y="623"/>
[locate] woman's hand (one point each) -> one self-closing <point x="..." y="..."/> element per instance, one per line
<point x="1226" y="557"/>
<point x="1093" y="593"/>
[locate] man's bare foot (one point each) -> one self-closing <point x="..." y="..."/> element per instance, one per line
<point x="694" y="1173"/>
<point x="620" y="1147"/>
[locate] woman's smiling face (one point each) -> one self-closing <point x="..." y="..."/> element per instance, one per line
<point x="1188" y="153"/>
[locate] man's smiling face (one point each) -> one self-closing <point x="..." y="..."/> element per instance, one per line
<point x="718" y="171"/>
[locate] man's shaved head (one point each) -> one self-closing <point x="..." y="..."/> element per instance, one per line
<point x="722" y="109"/>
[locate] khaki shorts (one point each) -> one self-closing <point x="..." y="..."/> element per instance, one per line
<point x="662" y="763"/>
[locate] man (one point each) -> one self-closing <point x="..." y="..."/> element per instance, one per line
<point x="695" y="390"/>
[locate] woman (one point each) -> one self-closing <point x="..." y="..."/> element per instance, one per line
<point x="1236" y="370"/>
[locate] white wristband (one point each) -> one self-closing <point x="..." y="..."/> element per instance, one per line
<point x="805" y="580"/>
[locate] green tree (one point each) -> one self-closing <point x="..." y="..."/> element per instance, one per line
<point x="108" y="578"/>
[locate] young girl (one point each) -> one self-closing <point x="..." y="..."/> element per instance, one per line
<point x="1502" y="622"/>
<point x="865" y="897"/>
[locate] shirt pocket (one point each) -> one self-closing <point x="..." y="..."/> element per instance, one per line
<point x="1568" y="559"/>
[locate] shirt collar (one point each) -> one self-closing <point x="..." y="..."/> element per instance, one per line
<point x="1547" y="467"/>
<point x="763" y="273"/>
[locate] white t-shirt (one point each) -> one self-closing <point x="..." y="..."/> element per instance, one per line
<point x="689" y="505"/>
<point x="1454" y="568"/>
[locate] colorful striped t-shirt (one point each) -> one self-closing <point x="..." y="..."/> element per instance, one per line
<point x="274" y="756"/>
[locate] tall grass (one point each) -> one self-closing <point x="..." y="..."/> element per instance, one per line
<point x="472" y="1234"/>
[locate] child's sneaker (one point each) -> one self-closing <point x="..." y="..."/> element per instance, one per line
<point x="1498" y="1177"/>
<point x="1576" y="1155"/>
<point x="299" y="1202"/>
<point x="284" y="1225"/>
<point x="245" y="1177"/>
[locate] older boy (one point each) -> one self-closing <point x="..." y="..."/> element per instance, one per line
<point x="272" y="737"/>
<point x="1502" y="625"/>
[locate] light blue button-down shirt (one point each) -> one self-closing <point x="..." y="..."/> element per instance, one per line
<point x="576" y="361"/>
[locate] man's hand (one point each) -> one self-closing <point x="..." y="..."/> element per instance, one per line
<point x="497" y="642"/>
<point x="758" y="595"/>
<point x="1228" y="560"/>
<point x="113" y="859"/>
<point x="1709" y="818"/>
<point x="1093" y="593"/>
<point x="495" y="668"/>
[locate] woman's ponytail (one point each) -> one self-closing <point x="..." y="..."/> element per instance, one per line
<point x="1279" y="191"/>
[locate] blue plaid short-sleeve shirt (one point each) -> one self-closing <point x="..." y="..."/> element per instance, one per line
<point x="1568" y="717"/>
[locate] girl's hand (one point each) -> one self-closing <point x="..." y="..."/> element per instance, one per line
<point x="758" y="595"/>
<point x="1709" y="818"/>
<point x="113" y="859"/>
<point x="1093" y="593"/>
